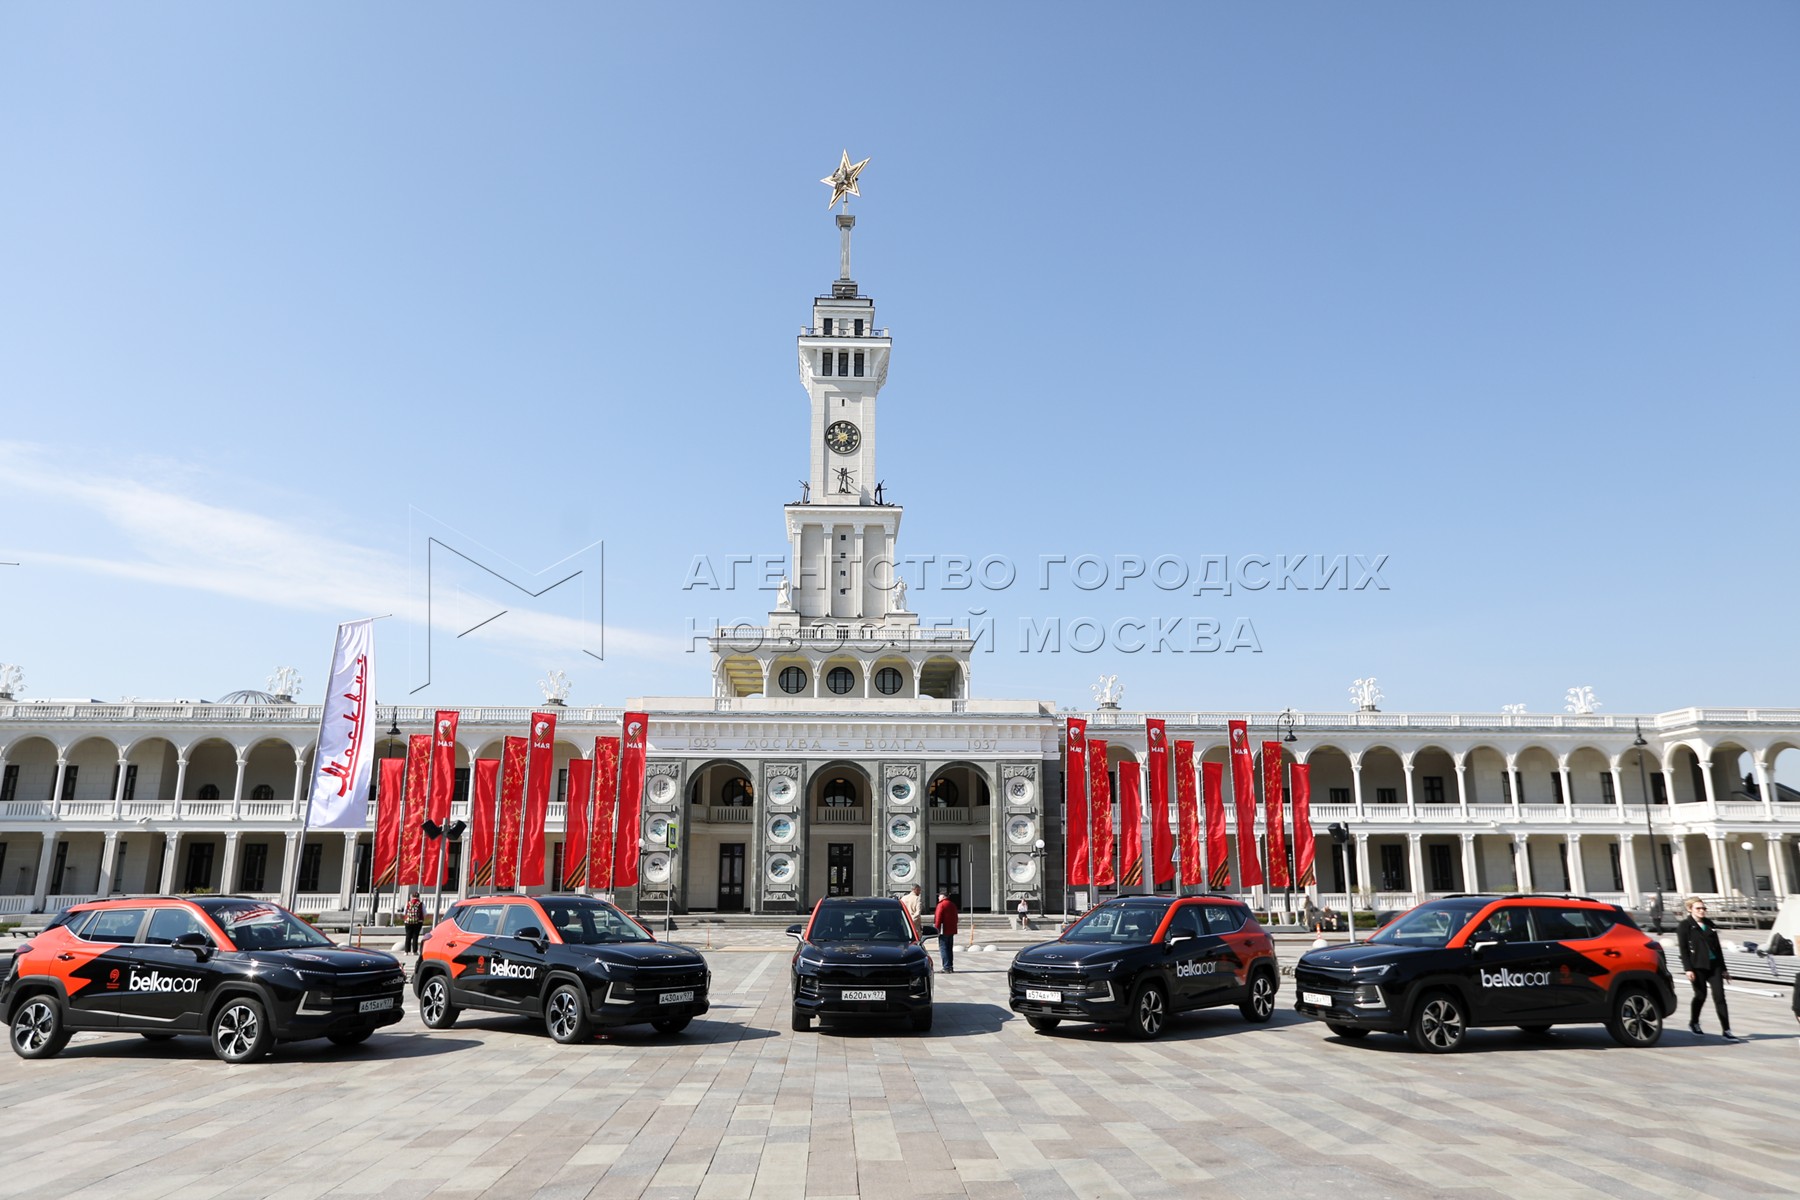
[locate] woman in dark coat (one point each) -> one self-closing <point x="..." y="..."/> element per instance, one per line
<point x="1698" y="939"/>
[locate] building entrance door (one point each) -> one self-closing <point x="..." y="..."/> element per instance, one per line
<point x="840" y="866"/>
<point x="731" y="877"/>
<point x="949" y="870"/>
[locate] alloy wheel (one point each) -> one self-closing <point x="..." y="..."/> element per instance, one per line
<point x="563" y="1015"/>
<point x="1441" y="1024"/>
<point x="1640" y="1020"/>
<point x="431" y="1004"/>
<point x="1150" y="1012"/>
<point x="237" y="1031"/>
<point x="33" y="1027"/>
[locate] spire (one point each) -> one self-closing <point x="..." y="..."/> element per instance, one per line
<point x="843" y="185"/>
<point x="845" y="287"/>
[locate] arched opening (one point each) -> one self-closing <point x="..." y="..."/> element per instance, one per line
<point x="149" y="772"/>
<point x="1383" y="777"/>
<point x="841" y="678"/>
<point x="740" y="675"/>
<point x="1686" y="779"/>
<point x="212" y="762"/>
<point x="840" y="849"/>
<point x="269" y="768"/>
<point x="892" y="679"/>
<point x="1537" y="778"/>
<point x="1485" y="776"/>
<point x="717" y="852"/>
<point x="792" y="678"/>
<point x="1734" y="774"/>
<point x="1590" y="778"/>
<point x="941" y="679"/>
<point x="1434" y="784"/>
<point x="957" y="818"/>
<point x="30" y="775"/>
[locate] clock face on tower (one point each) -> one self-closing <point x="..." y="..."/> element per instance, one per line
<point x="843" y="437"/>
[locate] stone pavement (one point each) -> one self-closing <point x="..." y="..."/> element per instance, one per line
<point x="739" y="1106"/>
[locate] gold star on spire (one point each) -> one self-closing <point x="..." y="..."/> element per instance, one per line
<point x="843" y="180"/>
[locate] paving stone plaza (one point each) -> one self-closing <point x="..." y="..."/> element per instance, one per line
<point x="740" y="1107"/>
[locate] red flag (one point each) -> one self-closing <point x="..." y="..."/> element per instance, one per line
<point x="511" y="812"/>
<point x="606" y="799"/>
<point x="1187" y="813"/>
<point x="1243" y="794"/>
<point x="1273" y="815"/>
<point x="1100" y="800"/>
<point x="1162" y="851"/>
<point x="1075" y="805"/>
<point x="481" y="822"/>
<point x="390" y="800"/>
<point x="631" y="799"/>
<point x="1301" y="774"/>
<point x="540" y="765"/>
<point x="1131" y="827"/>
<point x="575" y="823"/>
<point x="443" y="788"/>
<point x="1212" y="789"/>
<point x="418" y="790"/>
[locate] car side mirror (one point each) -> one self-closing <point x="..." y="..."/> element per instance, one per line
<point x="534" y="935"/>
<point x="199" y="943"/>
<point x="795" y="931"/>
<point x="928" y="930"/>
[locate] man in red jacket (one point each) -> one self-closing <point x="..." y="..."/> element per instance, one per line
<point x="945" y="919"/>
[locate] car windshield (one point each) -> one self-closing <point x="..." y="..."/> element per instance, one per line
<point x="1126" y="924"/>
<point x="253" y="926"/>
<point x="842" y="923"/>
<point x="1429" y="925"/>
<point x="592" y="922"/>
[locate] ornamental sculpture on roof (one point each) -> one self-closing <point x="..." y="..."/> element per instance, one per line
<point x="1581" y="700"/>
<point x="1108" y="692"/>
<point x="12" y="681"/>
<point x="284" y="684"/>
<point x="1366" y="694"/>
<point x="555" y="688"/>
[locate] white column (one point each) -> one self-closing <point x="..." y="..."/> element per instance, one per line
<point x="1512" y="784"/>
<point x="1412" y="807"/>
<point x="109" y="853"/>
<point x="1618" y="787"/>
<point x="237" y="789"/>
<point x="171" y="851"/>
<point x="180" y="782"/>
<point x="1415" y="860"/>
<point x="1706" y="780"/>
<point x="1568" y="785"/>
<point x="1628" y="869"/>
<point x="1462" y="790"/>
<point x="861" y="610"/>
<point x="119" y="789"/>
<point x="1722" y="875"/>
<point x="228" y="865"/>
<point x="347" y="880"/>
<point x="46" y="859"/>
<point x="1470" y="865"/>
<point x="290" y="865"/>
<point x="1668" y="786"/>
<point x="1765" y="787"/>
<point x="1522" y="860"/>
<point x="1684" y="875"/>
<point x="1356" y="783"/>
<point x="300" y="796"/>
<point x="62" y="765"/>
<point x="1577" y="875"/>
<point x="1778" y="864"/>
<point x="1363" y="882"/>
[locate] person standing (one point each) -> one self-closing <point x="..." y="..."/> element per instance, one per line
<point x="413" y="917"/>
<point x="1698" y="939"/>
<point x="912" y="902"/>
<point x="945" y="919"/>
<point x="1024" y="915"/>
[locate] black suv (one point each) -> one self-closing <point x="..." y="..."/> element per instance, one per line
<point x="577" y="962"/>
<point x="860" y="958"/>
<point x="1135" y="960"/>
<point x="246" y="973"/>
<point x="1465" y="961"/>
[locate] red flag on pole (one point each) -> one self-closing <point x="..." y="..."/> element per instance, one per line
<point x="575" y="823"/>
<point x="631" y="799"/>
<point x="540" y="765"/>
<point x="1100" y="802"/>
<point x="1131" y="827"/>
<point x="513" y="751"/>
<point x="1212" y="790"/>
<point x="1187" y="814"/>
<point x="1274" y="816"/>
<point x="418" y="791"/>
<point x="1075" y="805"/>
<point x="1243" y="794"/>
<point x="1301" y="774"/>
<point x="390" y="800"/>
<point x="481" y="822"/>
<point x="443" y="789"/>
<point x="1162" y="849"/>
<point x="606" y="799"/>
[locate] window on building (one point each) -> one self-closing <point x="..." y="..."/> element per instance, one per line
<point x="208" y="791"/>
<point x="312" y="857"/>
<point x="825" y="363"/>
<point x="838" y="793"/>
<point x="1562" y="856"/>
<point x="254" y="867"/>
<point x="856" y="364"/>
<point x="827" y="326"/>
<point x="840" y="680"/>
<point x="199" y="868"/>
<point x="1659" y="787"/>
<point x="944" y="793"/>
<point x="889" y="681"/>
<point x="1387" y="795"/>
<point x="1607" y="791"/>
<point x="1339" y="795"/>
<point x="1618" y="868"/>
<point x="557" y="874"/>
<point x="69" y="774"/>
<point x="1556" y="790"/>
<point x="1393" y="868"/>
<point x="129" y="770"/>
<point x="843" y="362"/>
<point x="562" y="786"/>
<point x="9" y="783"/>
<point x="1443" y="876"/>
<point x="859" y="327"/>
<point x="736" y="793"/>
<point x="262" y="791"/>
<point x="792" y="680"/>
<point x="1519" y="787"/>
<point x="1434" y="789"/>
<point x="462" y="785"/>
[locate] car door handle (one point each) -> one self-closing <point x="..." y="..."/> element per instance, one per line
<point x="64" y="957"/>
<point x="1610" y="953"/>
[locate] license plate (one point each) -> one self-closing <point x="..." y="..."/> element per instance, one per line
<point x="676" y="998"/>
<point x="1041" y="994"/>
<point x="1318" y="998"/>
<point x="381" y="1005"/>
<point x="865" y="994"/>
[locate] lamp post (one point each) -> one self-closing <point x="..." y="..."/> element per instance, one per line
<point x="1750" y="874"/>
<point x="1340" y="837"/>
<point x="1037" y="855"/>
<point x="1285" y="723"/>
<point x="1656" y="910"/>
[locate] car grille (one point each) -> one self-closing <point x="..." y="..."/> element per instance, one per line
<point x="1034" y="973"/>
<point x="1325" y="978"/>
<point x="662" y="979"/>
<point x="843" y="976"/>
<point x="366" y="983"/>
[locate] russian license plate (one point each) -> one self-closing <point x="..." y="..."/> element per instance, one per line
<point x="1318" y="998"/>
<point x="865" y="994"/>
<point x="381" y="1005"/>
<point x="676" y="998"/>
<point x="1041" y="994"/>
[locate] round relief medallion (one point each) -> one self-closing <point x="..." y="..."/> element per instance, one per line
<point x="662" y="788"/>
<point x="1020" y="868"/>
<point x="782" y="829"/>
<point x="1020" y="790"/>
<point x="781" y="868"/>
<point x="900" y="791"/>
<point x="657" y="830"/>
<point x="781" y="789"/>
<point x="902" y="829"/>
<point x="656" y="868"/>
<point x="1020" y="831"/>
<point x="901" y="868"/>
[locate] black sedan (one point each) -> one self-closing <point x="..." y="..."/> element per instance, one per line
<point x="861" y="958"/>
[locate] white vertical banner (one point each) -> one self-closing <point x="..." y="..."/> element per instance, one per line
<point x="340" y="783"/>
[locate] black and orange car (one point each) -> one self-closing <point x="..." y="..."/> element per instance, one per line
<point x="1134" y="961"/>
<point x="1462" y="962"/>
<point x="576" y="962"/>
<point x="243" y="972"/>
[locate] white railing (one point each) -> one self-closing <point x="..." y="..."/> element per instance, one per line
<point x="948" y="816"/>
<point x="301" y="716"/>
<point x="847" y="815"/>
<point x="208" y="810"/>
<point x="1741" y="809"/>
<point x="15" y="904"/>
<point x="729" y="814"/>
<point x="88" y="809"/>
<point x="270" y="810"/>
<point x="131" y="810"/>
<point x="1623" y="723"/>
<point x="26" y="810"/>
<point x="55" y="904"/>
<point x="745" y="638"/>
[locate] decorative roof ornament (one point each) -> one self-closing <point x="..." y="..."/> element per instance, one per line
<point x="1366" y="694"/>
<point x="1513" y="710"/>
<point x="1108" y="692"/>
<point x="555" y="688"/>
<point x="842" y="181"/>
<point x="284" y="684"/>
<point x="1581" y="700"/>
<point x="12" y="680"/>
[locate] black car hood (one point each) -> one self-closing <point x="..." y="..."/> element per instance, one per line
<point x="1362" y="956"/>
<point x="636" y="954"/>
<point x="862" y="953"/>
<point x="1075" y="954"/>
<point x="325" y="958"/>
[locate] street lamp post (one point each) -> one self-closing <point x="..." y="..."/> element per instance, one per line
<point x="1750" y="875"/>
<point x="1285" y="723"/>
<point x="1037" y="854"/>
<point x="1656" y="910"/>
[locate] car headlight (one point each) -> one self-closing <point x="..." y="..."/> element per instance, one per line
<point x="1380" y="972"/>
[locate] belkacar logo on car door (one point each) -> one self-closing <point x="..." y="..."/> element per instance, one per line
<point x="1188" y="969"/>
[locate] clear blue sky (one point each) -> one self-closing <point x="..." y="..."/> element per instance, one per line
<point x="1504" y="292"/>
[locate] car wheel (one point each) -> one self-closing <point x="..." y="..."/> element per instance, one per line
<point x="1259" y="1005"/>
<point x="356" y="1038"/>
<point x="1349" y="1033"/>
<point x="1635" y="1020"/>
<point x="802" y="1021"/>
<point x="671" y="1024"/>
<point x="1535" y="1030"/>
<point x="1439" y="1023"/>
<point x="435" y="1008"/>
<point x="240" y="1031"/>
<point x="37" y="1028"/>
<point x="157" y="1037"/>
<point x="1149" y="1011"/>
<point x="565" y="1017"/>
<point x="1043" y="1024"/>
<point x="921" y="1022"/>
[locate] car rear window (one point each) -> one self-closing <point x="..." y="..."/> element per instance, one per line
<point x="1225" y="918"/>
<point x="116" y="925"/>
<point x="1573" y="924"/>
